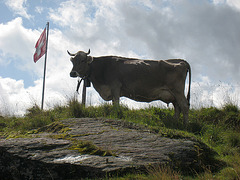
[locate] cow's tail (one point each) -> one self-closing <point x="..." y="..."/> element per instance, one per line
<point x="189" y="83"/>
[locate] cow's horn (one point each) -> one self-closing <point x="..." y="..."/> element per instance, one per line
<point x="70" y="53"/>
<point x="88" y="52"/>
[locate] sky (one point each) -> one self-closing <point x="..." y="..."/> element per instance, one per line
<point x="203" y="32"/>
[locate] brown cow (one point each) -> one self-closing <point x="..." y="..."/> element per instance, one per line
<point x="140" y="80"/>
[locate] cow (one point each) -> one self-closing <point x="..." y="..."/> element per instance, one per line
<point x="140" y="80"/>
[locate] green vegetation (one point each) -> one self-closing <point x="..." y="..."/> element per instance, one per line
<point x="219" y="128"/>
<point x="89" y="148"/>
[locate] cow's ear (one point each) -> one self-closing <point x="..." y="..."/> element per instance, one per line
<point x="89" y="59"/>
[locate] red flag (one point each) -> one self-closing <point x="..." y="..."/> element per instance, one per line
<point x="40" y="46"/>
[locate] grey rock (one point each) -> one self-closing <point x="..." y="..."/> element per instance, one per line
<point x="135" y="147"/>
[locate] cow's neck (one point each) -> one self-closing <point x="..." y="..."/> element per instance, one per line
<point x="88" y="72"/>
<point x="93" y="72"/>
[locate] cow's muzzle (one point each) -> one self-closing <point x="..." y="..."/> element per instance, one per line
<point x="73" y="74"/>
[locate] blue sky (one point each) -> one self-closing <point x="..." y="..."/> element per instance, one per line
<point x="205" y="33"/>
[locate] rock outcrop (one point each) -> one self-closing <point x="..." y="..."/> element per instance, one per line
<point x="56" y="151"/>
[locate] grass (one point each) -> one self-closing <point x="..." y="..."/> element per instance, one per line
<point x="219" y="128"/>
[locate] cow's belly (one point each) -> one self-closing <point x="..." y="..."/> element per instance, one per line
<point x="104" y="91"/>
<point x="138" y="94"/>
<point x="151" y="95"/>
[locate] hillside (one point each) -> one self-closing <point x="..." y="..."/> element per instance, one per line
<point x="96" y="147"/>
<point x="209" y="146"/>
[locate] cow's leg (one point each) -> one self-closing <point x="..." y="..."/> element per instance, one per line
<point x="115" y="101"/>
<point x="115" y="96"/>
<point x="185" y="114"/>
<point x="183" y="104"/>
<point x="177" y="110"/>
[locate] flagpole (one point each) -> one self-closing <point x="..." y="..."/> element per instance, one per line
<point x="45" y="64"/>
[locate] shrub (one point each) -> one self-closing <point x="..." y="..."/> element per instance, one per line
<point x="234" y="139"/>
<point x="230" y="107"/>
<point x="76" y="109"/>
<point x="232" y="119"/>
<point x="163" y="173"/>
<point x="164" y="117"/>
<point x="233" y="169"/>
<point x="207" y="115"/>
<point x="33" y="111"/>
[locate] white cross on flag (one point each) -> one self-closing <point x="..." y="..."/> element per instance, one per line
<point x="40" y="47"/>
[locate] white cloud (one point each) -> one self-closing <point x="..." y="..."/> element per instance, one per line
<point x="13" y="35"/>
<point x="39" y="9"/>
<point x="14" y="98"/>
<point x="205" y="34"/>
<point x="234" y="3"/>
<point x="219" y="1"/>
<point x="19" y="7"/>
<point x="17" y="44"/>
<point x="206" y="93"/>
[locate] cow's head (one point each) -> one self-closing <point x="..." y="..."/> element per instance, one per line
<point x="81" y="62"/>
